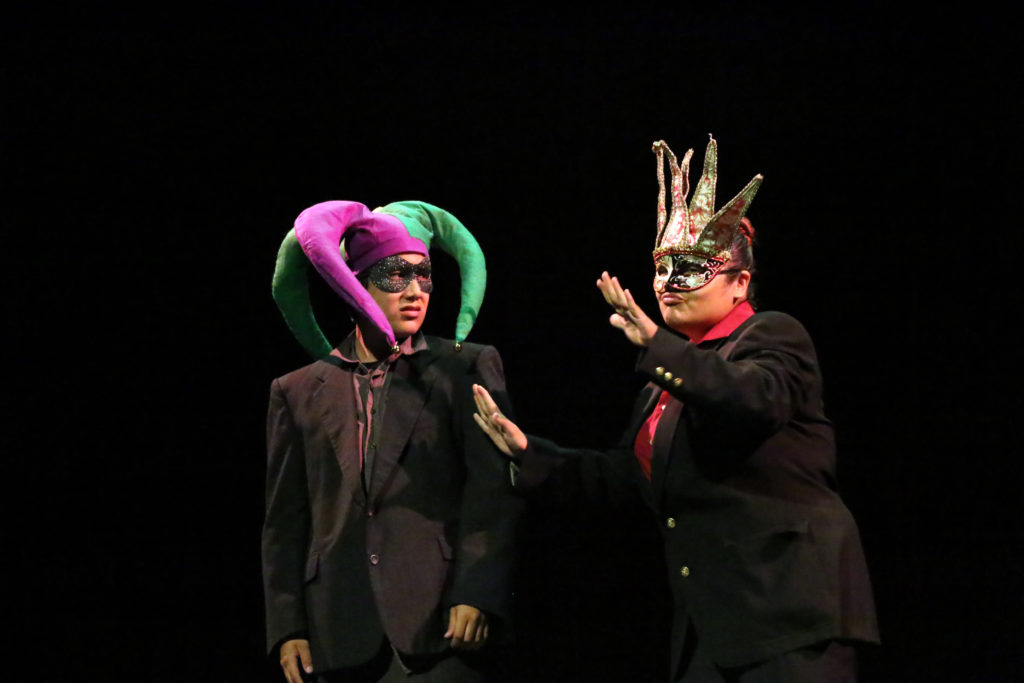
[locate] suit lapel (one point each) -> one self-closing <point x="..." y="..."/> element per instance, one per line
<point x="646" y="491"/>
<point x="663" y="437"/>
<point x="668" y="430"/>
<point x="407" y="394"/>
<point x="654" y="393"/>
<point x="335" y="399"/>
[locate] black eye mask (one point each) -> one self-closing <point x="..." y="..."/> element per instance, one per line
<point x="681" y="273"/>
<point x="393" y="274"/>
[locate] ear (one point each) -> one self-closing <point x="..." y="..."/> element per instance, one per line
<point x="741" y="284"/>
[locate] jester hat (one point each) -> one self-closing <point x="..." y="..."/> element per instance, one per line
<point x="341" y="239"/>
<point x="698" y="230"/>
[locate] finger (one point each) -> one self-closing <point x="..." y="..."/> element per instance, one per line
<point x="487" y="402"/>
<point x="291" y="669"/>
<point x="602" y="284"/>
<point x="479" y="635"/>
<point x="506" y="425"/>
<point x="469" y="631"/>
<point x="496" y="437"/>
<point x="305" y="657"/>
<point x="620" y="298"/>
<point x="481" y="403"/>
<point x="483" y="425"/>
<point x="463" y="620"/>
<point x="614" y="296"/>
<point x="605" y="285"/>
<point x="633" y="307"/>
<point x="515" y="440"/>
<point x="451" y="624"/>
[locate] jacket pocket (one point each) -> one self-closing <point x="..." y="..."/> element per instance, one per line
<point x="792" y="527"/>
<point x="773" y="544"/>
<point x="447" y="552"/>
<point x="312" y="568"/>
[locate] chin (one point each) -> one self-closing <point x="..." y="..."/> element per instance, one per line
<point x="673" y="318"/>
<point x="406" y="330"/>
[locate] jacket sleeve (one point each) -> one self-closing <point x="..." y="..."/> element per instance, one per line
<point x="767" y="377"/>
<point x="286" y="525"/>
<point x="571" y="474"/>
<point x="490" y="510"/>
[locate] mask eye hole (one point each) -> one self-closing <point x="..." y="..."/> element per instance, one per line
<point x="661" y="271"/>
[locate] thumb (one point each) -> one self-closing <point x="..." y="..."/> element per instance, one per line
<point x="509" y="430"/>
<point x="618" y="321"/>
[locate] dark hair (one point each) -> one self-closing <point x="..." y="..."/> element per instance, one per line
<point x="741" y="256"/>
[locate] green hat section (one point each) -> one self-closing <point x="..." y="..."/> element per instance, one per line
<point x="427" y="222"/>
<point x="290" y="288"/>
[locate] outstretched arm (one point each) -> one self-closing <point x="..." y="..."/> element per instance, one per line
<point x="594" y="474"/>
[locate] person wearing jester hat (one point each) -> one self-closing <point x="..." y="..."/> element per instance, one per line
<point x="730" y="451"/>
<point x="388" y="536"/>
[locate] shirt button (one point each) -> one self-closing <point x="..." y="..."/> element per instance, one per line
<point x="684" y="572"/>
<point x="375" y="560"/>
<point x="670" y="522"/>
<point x="659" y="370"/>
<point x="668" y="376"/>
<point x="677" y="381"/>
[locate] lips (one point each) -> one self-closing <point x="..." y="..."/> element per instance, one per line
<point x="671" y="299"/>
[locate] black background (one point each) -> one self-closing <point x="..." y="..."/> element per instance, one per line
<point x="156" y="158"/>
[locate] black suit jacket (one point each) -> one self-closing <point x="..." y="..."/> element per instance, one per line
<point x="762" y="555"/>
<point x="344" y="566"/>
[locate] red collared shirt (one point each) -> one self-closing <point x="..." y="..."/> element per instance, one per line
<point x="727" y="325"/>
<point x="643" y="447"/>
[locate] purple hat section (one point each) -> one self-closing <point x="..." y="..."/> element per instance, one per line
<point x="371" y="237"/>
<point x="377" y="237"/>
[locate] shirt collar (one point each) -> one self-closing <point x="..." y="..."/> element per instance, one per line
<point x="346" y="350"/>
<point x="727" y="325"/>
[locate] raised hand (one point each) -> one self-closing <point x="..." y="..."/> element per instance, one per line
<point x="509" y="439"/>
<point x="627" y="317"/>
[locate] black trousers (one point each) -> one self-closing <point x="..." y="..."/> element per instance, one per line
<point x="450" y="667"/>
<point x="830" y="661"/>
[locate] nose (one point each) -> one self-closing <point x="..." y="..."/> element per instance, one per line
<point x="675" y="283"/>
<point x="413" y="291"/>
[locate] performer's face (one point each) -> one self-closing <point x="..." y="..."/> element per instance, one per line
<point x="407" y="308"/>
<point x="696" y="311"/>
